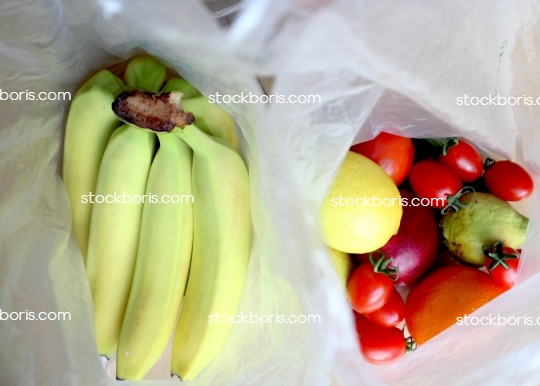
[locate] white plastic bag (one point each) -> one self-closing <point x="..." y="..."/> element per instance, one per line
<point x="52" y="46"/>
<point x="349" y="53"/>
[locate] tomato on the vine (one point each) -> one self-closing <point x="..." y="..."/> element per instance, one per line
<point x="508" y="180"/>
<point x="463" y="159"/>
<point x="391" y="152"/>
<point x="434" y="181"/>
<point x="391" y="314"/>
<point x="506" y="277"/>
<point x="502" y="264"/>
<point x="382" y="345"/>
<point x="371" y="285"/>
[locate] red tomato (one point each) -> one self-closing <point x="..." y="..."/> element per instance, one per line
<point x="434" y="181"/>
<point x="391" y="152"/>
<point x="508" y="181"/>
<point x="368" y="290"/>
<point x="464" y="160"/>
<point x="505" y="277"/>
<point x="381" y="345"/>
<point x="361" y="322"/>
<point x="391" y="314"/>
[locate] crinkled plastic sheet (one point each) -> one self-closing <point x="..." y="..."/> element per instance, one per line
<point x="52" y="46"/>
<point x="347" y="52"/>
<point x="428" y="53"/>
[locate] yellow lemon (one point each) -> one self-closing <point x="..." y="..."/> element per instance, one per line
<point x="342" y="265"/>
<point x="363" y="208"/>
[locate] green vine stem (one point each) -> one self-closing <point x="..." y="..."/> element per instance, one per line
<point x="410" y="344"/>
<point x="498" y="256"/>
<point x="488" y="162"/>
<point x="381" y="264"/>
<point x="454" y="202"/>
<point x="444" y="143"/>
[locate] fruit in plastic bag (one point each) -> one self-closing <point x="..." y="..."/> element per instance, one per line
<point x="391" y="314"/>
<point x="163" y="260"/>
<point x="222" y="229"/>
<point x="363" y="209"/>
<point x="114" y="230"/>
<point x="89" y="113"/>
<point x="435" y="303"/>
<point x="484" y="220"/>
<point x="415" y="245"/>
<point x="508" y="180"/>
<point x="393" y="153"/>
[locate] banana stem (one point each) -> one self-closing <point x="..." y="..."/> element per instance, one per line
<point x="193" y="136"/>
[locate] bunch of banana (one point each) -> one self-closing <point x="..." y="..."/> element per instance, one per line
<point x="143" y="257"/>
<point x="221" y="249"/>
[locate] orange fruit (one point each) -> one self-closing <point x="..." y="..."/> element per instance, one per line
<point x="435" y="302"/>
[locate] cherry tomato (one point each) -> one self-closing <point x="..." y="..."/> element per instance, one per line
<point x="464" y="160"/>
<point x="391" y="152"/>
<point x="434" y="181"/>
<point x="505" y="277"/>
<point x="361" y="322"/>
<point x="391" y="314"/>
<point x="382" y="345"/>
<point x="508" y="181"/>
<point x="368" y="290"/>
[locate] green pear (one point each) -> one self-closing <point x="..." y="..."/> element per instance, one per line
<point x="483" y="221"/>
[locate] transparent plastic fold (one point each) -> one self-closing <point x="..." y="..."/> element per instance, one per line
<point x="400" y="67"/>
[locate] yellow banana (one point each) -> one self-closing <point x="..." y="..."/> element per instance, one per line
<point x="115" y="227"/>
<point x="114" y="231"/>
<point x="221" y="249"/>
<point x="163" y="260"/>
<point x="209" y="117"/>
<point x="89" y="126"/>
